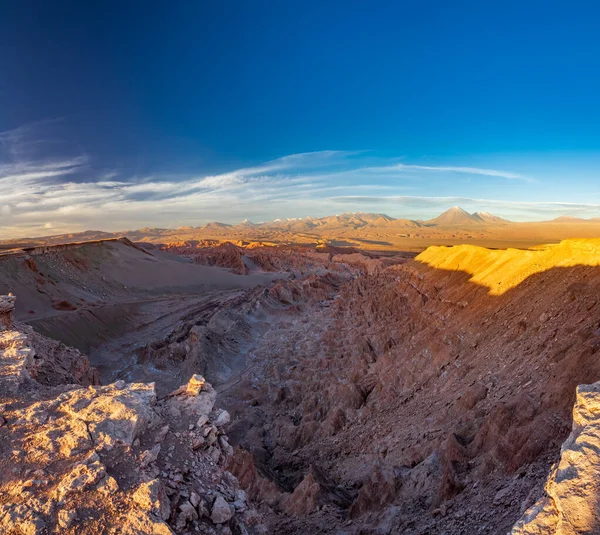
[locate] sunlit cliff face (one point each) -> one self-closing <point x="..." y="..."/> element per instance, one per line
<point x="502" y="270"/>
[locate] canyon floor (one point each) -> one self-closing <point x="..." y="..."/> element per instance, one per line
<point x="353" y="391"/>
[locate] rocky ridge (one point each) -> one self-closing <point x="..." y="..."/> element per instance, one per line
<point x="111" y="459"/>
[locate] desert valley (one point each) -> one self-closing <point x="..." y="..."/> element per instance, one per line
<point x="299" y="268"/>
<point x="353" y="374"/>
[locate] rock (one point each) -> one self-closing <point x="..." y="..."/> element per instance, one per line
<point x="20" y="517"/>
<point x="570" y="503"/>
<point x="212" y="436"/>
<point x="162" y="434"/>
<point x="192" y="405"/>
<point x="33" y="526"/>
<point x="259" y="488"/>
<point x="504" y="496"/>
<point x="239" y="506"/>
<point x="83" y="476"/>
<point x="202" y="420"/>
<point x="473" y="395"/>
<point x="198" y="442"/>
<point x="195" y="385"/>
<point x="114" y="413"/>
<point x="314" y="491"/>
<point x="215" y="454"/>
<point x="139" y="523"/>
<point x="151" y="496"/>
<point x="66" y="518"/>
<point x="203" y="510"/>
<point x="194" y="499"/>
<point x="16" y="359"/>
<point x="108" y="485"/>
<point x="225" y="446"/>
<point x="222" y="419"/>
<point x="61" y="436"/>
<point x="7" y="305"/>
<point x="187" y="514"/>
<point x="149" y="456"/>
<point x="221" y="511"/>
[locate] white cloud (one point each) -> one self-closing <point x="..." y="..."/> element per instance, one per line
<point x="71" y="195"/>
<point x="453" y="169"/>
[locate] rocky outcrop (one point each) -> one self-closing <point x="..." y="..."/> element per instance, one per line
<point x="112" y="459"/>
<point x="570" y="502"/>
<point x="7" y="305"/>
<point x="26" y="355"/>
<point x="211" y="253"/>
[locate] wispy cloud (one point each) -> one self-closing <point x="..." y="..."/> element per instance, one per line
<point x="400" y="167"/>
<point x="41" y="194"/>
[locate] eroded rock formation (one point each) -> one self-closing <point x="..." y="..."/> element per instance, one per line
<point x="110" y="459"/>
<point x="419" y="395"/>
<point x="7" y="305"/>
<point x="572" y="493"/>
<point x="361" y="397"/>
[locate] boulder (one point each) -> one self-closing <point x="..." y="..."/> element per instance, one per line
<point x="116" y="413"/>
<point x="221" y="511"/>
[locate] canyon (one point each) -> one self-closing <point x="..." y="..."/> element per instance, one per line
<point x="250" y="381"/>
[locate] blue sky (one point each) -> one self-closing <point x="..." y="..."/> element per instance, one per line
<point x="126" y="114"/>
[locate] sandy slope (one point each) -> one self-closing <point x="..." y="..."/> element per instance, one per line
<point x="502" y="270"/>
<point x="109" y="298"/>
<point x="105" y="272"/>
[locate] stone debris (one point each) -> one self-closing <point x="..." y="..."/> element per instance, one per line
<point x="112" y="459"/>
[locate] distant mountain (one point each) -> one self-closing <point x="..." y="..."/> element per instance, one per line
<point x="216" y="226"/>
<point x="356" y="219"/>
<point x="348" y="220"/>
<point x="455" y="216"/>
<point x="486" y="217"/>
<point x="570" y="219"/>
<point x="246" y="224"/>
<point x="403" y="223"/>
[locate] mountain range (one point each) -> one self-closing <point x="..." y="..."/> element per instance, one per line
<point x="354" y="229"/>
